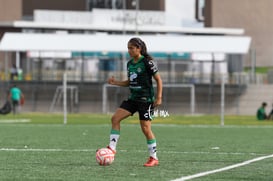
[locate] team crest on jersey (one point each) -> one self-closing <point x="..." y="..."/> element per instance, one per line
<point x="139" y="69"/>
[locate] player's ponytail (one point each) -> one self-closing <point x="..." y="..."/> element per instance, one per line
<point x="140" y="44"/>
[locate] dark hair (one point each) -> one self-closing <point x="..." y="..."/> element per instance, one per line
<point x="140" y="44"/>
<point x="264" y="104"/>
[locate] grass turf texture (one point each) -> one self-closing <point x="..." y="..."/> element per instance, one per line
<point x="45" y="149"/>
<point x="41" y="118"/>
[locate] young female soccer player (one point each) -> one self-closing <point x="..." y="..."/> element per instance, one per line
<point x="141" y="70"/>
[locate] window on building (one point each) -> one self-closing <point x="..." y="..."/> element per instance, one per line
<point x="105" y="4"/>
<point x="199" y="10"/>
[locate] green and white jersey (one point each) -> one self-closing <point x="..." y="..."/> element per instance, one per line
<point x="140" y="77"/>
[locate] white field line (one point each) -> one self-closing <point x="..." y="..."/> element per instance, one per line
<point x="223" y="169"/>
<point x="197" y="152"/>
<point x="14" y="120"/>
<point x="208" y="126"/>
<point x="166" y="152"/>
<point x="136" y="125"/>
<point x="46" y="150"/>
<point x="179" y="179"/>
<point x="26" y="149"/>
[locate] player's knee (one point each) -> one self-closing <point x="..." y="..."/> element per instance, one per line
<point x="145" y="129"/>
<point x="115" y="120"/>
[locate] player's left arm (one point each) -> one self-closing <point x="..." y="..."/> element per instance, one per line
<point x="158" y="100"/>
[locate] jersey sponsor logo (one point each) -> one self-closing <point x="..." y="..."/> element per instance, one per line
<point x="133" y="76"/>
<point x="149" y="113"/>
<point x="161" y="113"/>
<point x="134" y="87"/>
<point x="146" y="115"/>
<point x="143" y="98"/>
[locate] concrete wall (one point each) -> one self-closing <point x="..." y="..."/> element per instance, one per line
<point x="39" y="96"/>
<point x="81" y="5"/>
<point x="29" y="5"/>
<point x="255" y="16"/>
<point x="10" y="10"/>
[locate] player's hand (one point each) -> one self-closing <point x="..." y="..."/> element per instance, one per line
<point x="111" y="80"/>
<point x="158" y="102"/>
<point x="22" y="101"/>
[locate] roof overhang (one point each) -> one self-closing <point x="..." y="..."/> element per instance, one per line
<point x="23" y="42"/>
<point x="128" y="28"/>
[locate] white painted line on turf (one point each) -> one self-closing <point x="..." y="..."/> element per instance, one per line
<point x="26" y="149"/>
<point x="47" y="150"/>
<point x="223" y="169"/>
<point x="14" y="120"/>
<point x="198" y="152"/>
<point x="208" y="126"/>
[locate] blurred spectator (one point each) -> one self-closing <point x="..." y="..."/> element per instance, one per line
<point x="6" y="108"/>
<point x="13" y="72"/>
<point x="261" y="113"/>
<point x="270" y="115"/>
<point x="17" y="99"/>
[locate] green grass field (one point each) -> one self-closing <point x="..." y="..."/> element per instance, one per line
<point x="39" y="147"/>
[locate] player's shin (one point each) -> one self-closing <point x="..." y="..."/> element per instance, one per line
<point x="114" y="136"/>
<point x="152" y="148"/>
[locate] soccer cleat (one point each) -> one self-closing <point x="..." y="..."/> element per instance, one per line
<point x="151" y="162"/>
<point x="114" y="152"/>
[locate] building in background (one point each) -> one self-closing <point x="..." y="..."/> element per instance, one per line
<point x="17" y="10"/>
<point x="14" y="12"/>
<point x="112" y="17"/>
<point x="175" y="18"/>
<point x="255" y="17"/>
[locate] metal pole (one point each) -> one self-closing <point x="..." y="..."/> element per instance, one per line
<point x="64" y="97"/>
<point x="253" y="65"/>
<point x="223" y="100"/>
<point x="124" y="17"/>
<point x="104" y="98"/>
<point x="6" y="66"/>
<point x="136" y="17"/>
<point x="211" y="86"/>
<point x="123" y="60"/>
<point x="169" y="69"/>
<point x="114" y="4"/>
<point x="192" y="100"/>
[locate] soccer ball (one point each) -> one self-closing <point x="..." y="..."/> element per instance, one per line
<point x="104" y="156"/>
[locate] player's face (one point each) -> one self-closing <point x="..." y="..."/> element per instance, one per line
<point x="133" y="51"/>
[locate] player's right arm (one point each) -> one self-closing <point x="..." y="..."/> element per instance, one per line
<point x="113" y="81"/>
